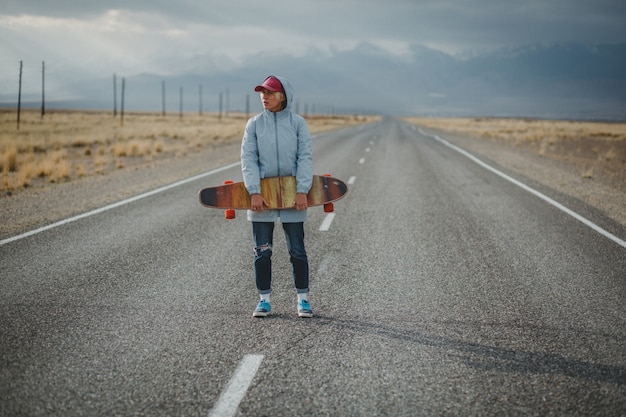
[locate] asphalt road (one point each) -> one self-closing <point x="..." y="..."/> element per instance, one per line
<point x="439" y="288"/>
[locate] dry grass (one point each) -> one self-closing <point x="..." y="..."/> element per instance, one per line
<point x="597" y="148"/>
<point x="71" y="144"/>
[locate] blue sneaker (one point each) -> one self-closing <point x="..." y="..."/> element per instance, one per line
<point x="263" y="309"/>
<point x="304" y="309"/>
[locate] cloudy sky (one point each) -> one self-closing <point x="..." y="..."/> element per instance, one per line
<point x="94" y="38"/>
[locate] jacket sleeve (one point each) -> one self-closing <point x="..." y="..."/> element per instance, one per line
<point x="304" y="161"/>
<point x="250" y="159"/>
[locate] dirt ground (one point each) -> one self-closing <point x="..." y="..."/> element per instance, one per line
<point x="585" y="167"/>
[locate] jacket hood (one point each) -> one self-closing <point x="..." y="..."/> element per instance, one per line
<point x="288" y="91"/>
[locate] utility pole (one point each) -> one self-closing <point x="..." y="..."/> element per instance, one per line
<point x="43" y="89"/>
<point x="163" y="97"/>
<point x="114" y="95"/>
<point x="200" y="100"/>
<point x="227" y="104"/>
<point x="220" y="107"/>
<point x="19" y="98"/>
<point x="122" y="109"/>
<point x="180" y="115"/>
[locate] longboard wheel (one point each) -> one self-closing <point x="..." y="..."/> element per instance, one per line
<point x="328" y="207"/>
<point x="229" y="214"/>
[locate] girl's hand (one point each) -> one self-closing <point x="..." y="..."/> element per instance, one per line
<point x="258" y="203"/>
<point x="301" y="201"/>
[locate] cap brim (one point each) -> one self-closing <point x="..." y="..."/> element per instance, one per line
<point x="259" y="88"/>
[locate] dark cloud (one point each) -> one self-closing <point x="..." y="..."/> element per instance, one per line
<point x="168" y="35"/>
<point x="460" y="22"/>
<point x="91" y="39"/>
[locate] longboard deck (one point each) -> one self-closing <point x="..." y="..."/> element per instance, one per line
<point x="279" y="192"/>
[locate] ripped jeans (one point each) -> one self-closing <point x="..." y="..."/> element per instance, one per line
<point x="263" y="234"/>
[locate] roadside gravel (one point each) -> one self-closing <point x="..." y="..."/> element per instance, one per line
<point x="38" y="206"/>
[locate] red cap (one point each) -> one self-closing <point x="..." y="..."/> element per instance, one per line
<point x="271" y="83"/>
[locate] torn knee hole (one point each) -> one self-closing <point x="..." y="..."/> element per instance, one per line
<point x="263" y="248"/>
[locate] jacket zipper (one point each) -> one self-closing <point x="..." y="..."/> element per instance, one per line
<point x="276" y="140"/>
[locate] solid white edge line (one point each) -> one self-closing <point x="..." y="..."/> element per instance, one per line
<point x="118" y="204"/>
<point x="235" y="391"/>
<point x="327" y="222"/>
<point x="544" y="197"/>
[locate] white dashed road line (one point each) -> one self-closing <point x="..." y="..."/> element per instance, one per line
<point x="327" y="222"/>
<point x="544" y="197"/>
<point x="230" y="398"/>
<point x="115" y="205"/>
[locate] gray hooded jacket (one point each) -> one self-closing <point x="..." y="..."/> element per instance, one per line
<point x="277" y="144"/>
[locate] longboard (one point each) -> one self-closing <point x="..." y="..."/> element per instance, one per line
<point x="279" y="193"/>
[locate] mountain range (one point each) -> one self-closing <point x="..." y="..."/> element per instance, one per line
<point x="565" y="81"/>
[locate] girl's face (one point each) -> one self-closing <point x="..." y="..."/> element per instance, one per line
<point x="272" y="101"/>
